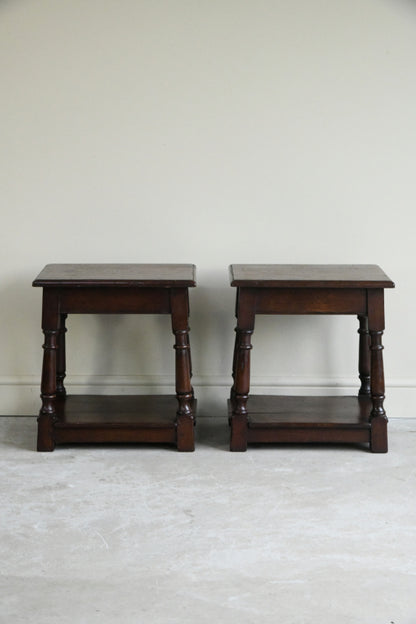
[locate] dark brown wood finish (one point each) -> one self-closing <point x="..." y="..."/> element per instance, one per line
<point x="114" y="289"/>
<point x="309" y="276"/>
<point x="127" y="275"/>
<point x="364" y="360"/>
<point x="310" y="289"/>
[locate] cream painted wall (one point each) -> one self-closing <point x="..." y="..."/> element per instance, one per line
<point x="206" y="132"/>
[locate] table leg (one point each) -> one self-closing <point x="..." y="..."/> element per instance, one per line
<point x="241" y="369"/>
<point x="364" y="364"/>
<point x="61" y="358"/>
<point x="376" y="328"/>
<point x="184" y="390"/>
<point x="190" y="362"/>
<point x="47" y="414"/>
<point x="236" y="347"/>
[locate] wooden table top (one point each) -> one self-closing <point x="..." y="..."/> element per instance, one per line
<point x="165" y="275"/>
<point x="309" y="276"/>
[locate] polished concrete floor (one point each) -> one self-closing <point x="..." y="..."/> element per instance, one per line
<point x="291" y="535"/>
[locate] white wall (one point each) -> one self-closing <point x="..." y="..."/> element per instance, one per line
<point x="206" y="132"/>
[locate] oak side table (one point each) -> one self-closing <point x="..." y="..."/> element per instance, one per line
<point x="310" y="289"/>
<point x="114" y="289"/>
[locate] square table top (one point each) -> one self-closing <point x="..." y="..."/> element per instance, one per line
<point x="135" y="275"/>
<point x="309" y="276"/>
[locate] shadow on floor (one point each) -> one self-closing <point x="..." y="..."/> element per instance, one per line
<point x="18" y="432"/>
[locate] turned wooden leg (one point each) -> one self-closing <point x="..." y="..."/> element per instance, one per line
<point x="376" y="328"/>
<point x="47" y="414"/>
<point x="190" y="363"/>
<point x="241" y="369"/>
<point x="364" y="357"/>
<point x="232" y="392"/>
<point x="242" y="388"/>
<point x="61" y="358"/>
<point x="184" y="391"/>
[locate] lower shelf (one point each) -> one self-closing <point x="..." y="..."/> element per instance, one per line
<point x="300" y="419"/>
<point x="127" y="418"/>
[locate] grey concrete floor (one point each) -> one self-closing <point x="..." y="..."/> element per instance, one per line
<point x="285" y="534"/>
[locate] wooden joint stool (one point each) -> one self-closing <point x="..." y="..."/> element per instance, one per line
<point x="310" y="289"/>
<point x="114" y="289"/>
